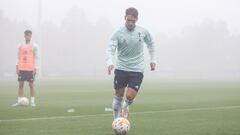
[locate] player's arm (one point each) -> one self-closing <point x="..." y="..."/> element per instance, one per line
<point x="17" y="63"/>
<point x="151" y="49"/>
<point x="37" y="58"/>
<point x="110" y="52"/>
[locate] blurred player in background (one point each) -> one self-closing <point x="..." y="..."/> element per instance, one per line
<point x="27" y="65"/>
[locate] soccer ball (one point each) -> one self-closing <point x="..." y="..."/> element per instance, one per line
<point x="23" y="101"/>
<point x="121" y="126"/>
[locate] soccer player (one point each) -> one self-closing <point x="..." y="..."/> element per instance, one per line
<point x="129" y="42"/>
<point x="26" y="67"/>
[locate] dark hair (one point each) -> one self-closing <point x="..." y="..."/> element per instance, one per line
<point x="28" y="32"/>
<point x="132" y="11"/>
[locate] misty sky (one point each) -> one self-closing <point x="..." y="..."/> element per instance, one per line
<point x="194" y="39"/>
<point x="168" y="16"/>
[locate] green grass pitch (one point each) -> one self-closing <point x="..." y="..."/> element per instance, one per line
<point x="161" y="108"/>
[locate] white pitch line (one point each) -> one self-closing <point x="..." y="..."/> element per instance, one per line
<point x="132" y="113"/>
<point x="53" y="118"/>
<point x="190" y="109"/>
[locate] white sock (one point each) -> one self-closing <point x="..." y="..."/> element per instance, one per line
<point x="116" y="106"/>
<point x="126" y="104"/>
<point x="32" y="99"/>
<point x="18" y="99"/>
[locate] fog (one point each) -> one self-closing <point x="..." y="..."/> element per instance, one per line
<point x="194" y="39"/>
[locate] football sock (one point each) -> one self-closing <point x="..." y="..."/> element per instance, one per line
<point x="126" y="103"/>
<point x="32" y="99"/>
<point x="116" y="106"/>
<point x="18" y="99"/>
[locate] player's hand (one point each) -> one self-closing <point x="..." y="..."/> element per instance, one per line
<point x="152" y="66"/>
<point x="110" y="68"/>
<point x="17" y="71"/>
<point x="34" y="71"/>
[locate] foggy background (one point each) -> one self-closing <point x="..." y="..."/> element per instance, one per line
<point x="194" y="39"/>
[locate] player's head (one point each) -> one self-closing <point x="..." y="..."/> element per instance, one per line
<point x="28" y="35"/>
<point x="131" y="18"/>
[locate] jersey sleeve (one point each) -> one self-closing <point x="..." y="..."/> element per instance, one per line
<point x="18" y="55"/>
<point x="36" y="51"/>
<point x="111" y="49"/>
<point x="151" y="46"/>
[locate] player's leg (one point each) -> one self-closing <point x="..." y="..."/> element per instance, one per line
<point x="130" y="96"/>
<point x="32" y="93"/>
<point x="32" y="88"/>
<point x="20" y="87"/>
<point x="21" y="79"/>
<point x="135" y="80"/>
<point x="20" y="92"/>
<point x="120" y="83"/>
<point x="117" y="102"/>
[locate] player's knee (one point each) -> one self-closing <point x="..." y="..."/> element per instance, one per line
<point x="130" y="97"/>
<point x="21" y="85"/>
<point x="119" y="92"/>
<point x="31" y="85"/>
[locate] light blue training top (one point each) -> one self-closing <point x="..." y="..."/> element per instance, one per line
<point x="130" y="49"/>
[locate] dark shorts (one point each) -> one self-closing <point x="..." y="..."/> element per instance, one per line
<point x="26" y="76"/>
<point x="129" y="79"/>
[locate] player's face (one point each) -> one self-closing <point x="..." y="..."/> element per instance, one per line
<point x="130" y="22"/>
<point x="28" y="37"/>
